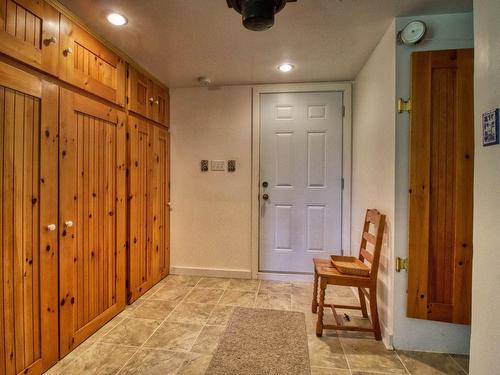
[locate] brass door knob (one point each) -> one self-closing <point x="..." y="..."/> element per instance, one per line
<point x="265" y="196"/>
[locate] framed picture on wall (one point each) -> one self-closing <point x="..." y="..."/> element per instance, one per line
<point x="490" y="128"/>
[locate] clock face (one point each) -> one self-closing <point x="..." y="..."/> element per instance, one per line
<point x="413" y="32"/>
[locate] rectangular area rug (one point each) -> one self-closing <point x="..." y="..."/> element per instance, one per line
<point x="258" y="342"/>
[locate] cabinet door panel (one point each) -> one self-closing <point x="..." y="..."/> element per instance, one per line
<point x="92" y="215"/>
<point x="88" y="64"/>
<point x="162" y="102"/>
<point x="29" y="32"/>
<point x="138" y="92"/>
<point x="140" y="207"/>
<point x="28" y="204"/>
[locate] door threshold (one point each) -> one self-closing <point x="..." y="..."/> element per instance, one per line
<point x="284" y="276"/>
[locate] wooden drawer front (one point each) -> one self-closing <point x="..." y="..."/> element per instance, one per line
<point x="28" y="204"/>
<point x="88" y="64"/>
<point x="29" y="32"/>
<point x="138" y="92"/>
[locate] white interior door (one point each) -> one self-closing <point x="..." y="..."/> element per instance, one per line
<point x="300" y="179"/>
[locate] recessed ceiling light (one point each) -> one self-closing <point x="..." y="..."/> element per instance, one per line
<point x="285" y="68"/>
<point x="117" y="19"/>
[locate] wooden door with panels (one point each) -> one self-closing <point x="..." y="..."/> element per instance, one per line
<point x="90" y="65"/>
<point x="92" y="186"/>
<point x="29" y="32"/>
<point x="148" y="197"/>
<point x="441" y="186"/>
<point x="28" y="223"/>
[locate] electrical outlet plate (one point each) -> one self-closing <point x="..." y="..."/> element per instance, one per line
<point x="218" y="165"/>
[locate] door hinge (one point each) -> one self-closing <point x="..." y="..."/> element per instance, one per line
<point x="401" y="264"/>
<point x="342" y="183"/>
<point x="343" y="111"/>
<point x="404" y="105"/>
<point x="127" y="99"/>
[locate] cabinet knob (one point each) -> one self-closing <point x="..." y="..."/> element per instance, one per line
<point x="67" y="51"/>
<point x="152" y="99"/>
<point x="68" y="224"/>
<point x="50" y="40"/>
<point x="51" y="227"/>
<point x="157" y="101"/>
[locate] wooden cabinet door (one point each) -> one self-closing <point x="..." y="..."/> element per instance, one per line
<point x="88" y="64"/>
<point x="92" y="217"/>
<point x="161" y="204"/>
<point x="162" y="103"/>
<point x="29" y="32"/>
<point x="28" y="223"/>
<point x="138" y="92"/>
<point x="441" y="183"/>
<point x="140" y="164"/>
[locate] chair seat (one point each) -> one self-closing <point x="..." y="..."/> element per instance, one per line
<point x="325" y="269"/>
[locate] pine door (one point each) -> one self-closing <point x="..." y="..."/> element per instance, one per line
<point x="92" y="216"/>
<point x="28" y="223"/>
<point x="29" y="31"/>
<point x="138" y="92"/>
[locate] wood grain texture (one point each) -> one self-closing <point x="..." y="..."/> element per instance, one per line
<point x="441" y="181"/>
<point x="28" y="261"/>
<point x="92" y="197"/>
<point x="138" y="92"/>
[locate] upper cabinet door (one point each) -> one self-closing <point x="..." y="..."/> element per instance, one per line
<point x="88" y="64"/>
<point x="29" y="32"/>
<point x="162" y="103"/>
<point x="138" y="92"/>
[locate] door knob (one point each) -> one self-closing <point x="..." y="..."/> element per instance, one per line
<point x="265" y="196"/>
<point x="50" y="40"/>
<point x="68" y="224"/>
<point x="265" y="184"/>
<point x="67" y="51"/>
<point x="51" y="227"/>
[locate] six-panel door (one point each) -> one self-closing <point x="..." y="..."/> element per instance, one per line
<point x="28" y="223"/>
<point x="88" y="64"/>
<point x="92" y="186"/>
<point x="29" y="31"/>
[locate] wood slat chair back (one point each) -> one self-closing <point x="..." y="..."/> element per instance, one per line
<point x="371" y="242"/>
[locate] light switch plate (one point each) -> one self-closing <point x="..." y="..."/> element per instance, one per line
<point x="204" y="165"/>
<point x="491" y="129"/>
<point x="218" y="165"/>
<point x="231" y="165"/>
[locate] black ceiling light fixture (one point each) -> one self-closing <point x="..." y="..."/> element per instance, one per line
<point x="258" y="15"/>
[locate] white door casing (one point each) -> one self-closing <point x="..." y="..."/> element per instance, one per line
<point x="301" y="160"/>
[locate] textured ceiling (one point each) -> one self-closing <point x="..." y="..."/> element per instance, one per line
<point x="180" y="40"/>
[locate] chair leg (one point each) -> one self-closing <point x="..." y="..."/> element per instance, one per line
<point x="314" y="305"/>
<point x="319" y="323"/>
<point x="362" y="302"/>
<point x="374" y="313"/>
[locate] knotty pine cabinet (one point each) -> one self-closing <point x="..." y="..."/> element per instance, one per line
<point x="90" y="65"/>
<point x="29" y="32"/>
<point x="28" y="222"/>
<point x="148" y="204"/>
<point x="92" y="216"/>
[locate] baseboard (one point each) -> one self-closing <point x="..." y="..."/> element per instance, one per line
<point x="211" y="272"/>
<point x="305" y="278"/>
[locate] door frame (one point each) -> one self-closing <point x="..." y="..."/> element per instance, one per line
<point x="346" y="89"/>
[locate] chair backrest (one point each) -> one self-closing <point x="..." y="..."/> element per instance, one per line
<point x="371" y="240"/>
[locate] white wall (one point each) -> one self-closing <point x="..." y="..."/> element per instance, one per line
<point x="373" y="164"/>
<point x="446" y="32"/>
<point x="211" y="216"/>
<point x="485" y="340"/>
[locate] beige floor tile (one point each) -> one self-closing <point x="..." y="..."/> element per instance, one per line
<point x="174" y="336"/>
<point x="326" y="352"/>
<point x="154" y="362"/>
<point x="462" y="361"/>
<point x="63" y="363"/>
<point x="194" y="313"/>
<point x="181" y="280"/>
<point x="196" y="365"/>
<point x="238" y="298"/>
<point x="208" y="340"/>
<point x="339" y="291"/>
<point x="301" y="302"/>
<point x="328" y="371"/>
<point x="244" y="284"/>
<point x="303" y="289"/>
<point x="371" y="355"/>
<point x="132" y="331"/>
<point x="107" y="327"/>
<point x="211" y="296"/>
<point x="213" y="283"/>
<point x="101" y="358"/>
<point x="273" y="301"/>
<point x="429" y="363"/>
<point x="172" y="293"/>
<point x="220" y="315"/>
<point x="268" y="286"/>
<point x="150" y="292"/>
<point x="153" y="309"/>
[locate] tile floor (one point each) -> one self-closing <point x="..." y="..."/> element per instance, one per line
<point x="175" y="327"/>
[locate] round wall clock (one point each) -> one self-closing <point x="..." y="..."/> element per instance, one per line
<point x="412" y="33"/>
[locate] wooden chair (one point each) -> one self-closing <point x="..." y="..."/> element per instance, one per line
<point x="326" y="274"/>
